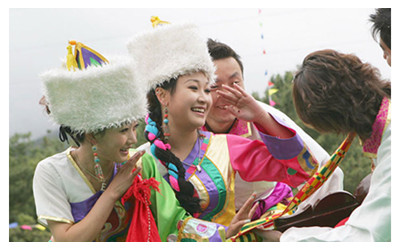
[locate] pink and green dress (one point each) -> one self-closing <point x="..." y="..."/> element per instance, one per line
<point x="221" y="156"/>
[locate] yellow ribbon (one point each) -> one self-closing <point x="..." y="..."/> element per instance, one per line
<point x="155" y="21"/>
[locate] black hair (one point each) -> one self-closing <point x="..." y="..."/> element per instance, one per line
<point x="382" y="25"/>
<point x="185" y="195"/>
<point x="220" y="50"/>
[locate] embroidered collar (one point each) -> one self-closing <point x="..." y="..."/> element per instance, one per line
<point x="193" y="161"/>
<point x="238" y="127"/>
<point x="371" y="145"/>
<point x="241" y="128"/>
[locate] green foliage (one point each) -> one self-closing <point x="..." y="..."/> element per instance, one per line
<point x="25" y="154"/>
<point x="355" y="166"/>
<point x="19" y="235"/>
<point x="34" y="235"/>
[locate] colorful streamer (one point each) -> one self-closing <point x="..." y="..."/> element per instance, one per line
<point x="13" y="225"/>
<point x="264" y="52"/>
<point x="272" y="91"/>
<point x="27" y="227"/>
<point x="313" y="184"/>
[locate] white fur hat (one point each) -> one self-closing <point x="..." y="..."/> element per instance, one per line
<point x="94" y="98"/>
<point x="169" y="51"/>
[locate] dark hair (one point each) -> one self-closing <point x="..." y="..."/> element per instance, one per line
<point x="382" y="25"/>
<point x="79" y="137"/>
<point x="220" y="50"/>
<point x="64" y="131"/>
<point x="335" y="92"/>
<point x="185" y="196"/>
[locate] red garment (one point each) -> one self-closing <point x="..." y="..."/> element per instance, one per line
<point x="142" y="227"/>
<point x="342" y="222"/>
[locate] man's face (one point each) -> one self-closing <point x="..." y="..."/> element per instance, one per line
<point x="387" y="53"/>
<point x="228" y="72"/>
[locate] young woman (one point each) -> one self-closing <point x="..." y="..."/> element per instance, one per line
<point x="337" y="93"/>
<point x="200" y="166"/>
<point x="94" y="191"/>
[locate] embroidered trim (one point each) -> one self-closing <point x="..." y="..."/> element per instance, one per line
<point x="57" y="219"/>
<point x="241" y="128"/>
<point x="306" y="161"/>
<point x="383" y="118"/>
<point x="79" y="171"/>
<point x="196" y="230"/>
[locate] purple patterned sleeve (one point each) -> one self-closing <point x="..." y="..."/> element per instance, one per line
<point x="281" y="149"/>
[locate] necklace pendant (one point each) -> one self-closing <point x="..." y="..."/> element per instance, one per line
<point x="198" y="168"/>
<point x="103" y="186"/>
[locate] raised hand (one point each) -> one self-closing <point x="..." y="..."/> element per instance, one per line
<point x="242" y="105"/>
<point x="125" y="175"/>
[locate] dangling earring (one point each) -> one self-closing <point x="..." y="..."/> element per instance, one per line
<point x="97" y="168"/>
<point x="165" y="125"/>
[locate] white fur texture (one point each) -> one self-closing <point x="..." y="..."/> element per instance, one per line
<point x="169" y="51"/>
<point x="95" y="98"/>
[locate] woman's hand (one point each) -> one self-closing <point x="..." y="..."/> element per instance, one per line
<point x="124" y="177"/>
<point x="242" y="217"/>
<point x="89" y="227"/>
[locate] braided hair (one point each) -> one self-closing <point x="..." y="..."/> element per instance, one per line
<point x="184" y="190"/>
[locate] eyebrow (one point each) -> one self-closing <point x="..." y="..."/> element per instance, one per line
<point x="194" y="80"/>
<point x="236" y="74"/>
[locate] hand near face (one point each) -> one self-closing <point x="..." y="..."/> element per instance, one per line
<point x="242" y="105"/>
<point x="125" y="175"/>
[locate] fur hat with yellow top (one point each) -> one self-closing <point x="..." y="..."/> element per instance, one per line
<point x="90" y="93"/>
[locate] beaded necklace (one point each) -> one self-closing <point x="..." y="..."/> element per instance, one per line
<point x="103" y="180"/>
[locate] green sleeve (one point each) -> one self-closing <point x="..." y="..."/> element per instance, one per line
<point x="165" y="207"/>
<point x="167" y="211"/>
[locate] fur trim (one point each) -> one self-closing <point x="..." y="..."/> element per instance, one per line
<point x="95" y="98"/>
<point x="169" y="51"/>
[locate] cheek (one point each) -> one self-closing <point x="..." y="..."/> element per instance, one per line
<point x="209" y="100"/>
<point x="213" y="96"/>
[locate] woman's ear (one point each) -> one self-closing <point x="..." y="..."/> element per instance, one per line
<point x="162" y="96"/>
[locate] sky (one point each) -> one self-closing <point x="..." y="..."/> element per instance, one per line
<point x="270" y="41"/>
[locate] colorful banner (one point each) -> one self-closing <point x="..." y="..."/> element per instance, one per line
<point x="26" y="227"/>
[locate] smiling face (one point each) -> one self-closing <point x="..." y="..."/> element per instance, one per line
<point x="189" y="105"/>
<point x="114" y="144"/>
<point x="228" y="72"/>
